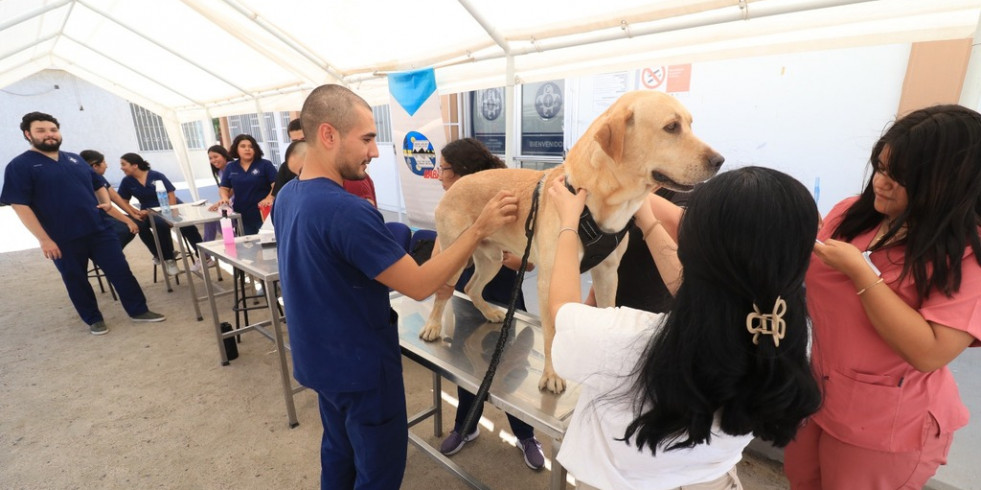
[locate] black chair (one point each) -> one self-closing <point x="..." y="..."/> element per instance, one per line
<point x="421" y="245"/>
<point x="97" y="273"/>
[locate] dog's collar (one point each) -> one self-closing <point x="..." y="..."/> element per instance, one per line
<point x="597" y="244"/>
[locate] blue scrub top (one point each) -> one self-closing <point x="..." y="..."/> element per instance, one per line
<point x="332" y="244"/>
<point x="146" y="194"/>
<point x="249" y="187"/>
<point x="61" y="194"/>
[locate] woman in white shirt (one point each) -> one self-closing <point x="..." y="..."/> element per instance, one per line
<point x="671" y="400"/>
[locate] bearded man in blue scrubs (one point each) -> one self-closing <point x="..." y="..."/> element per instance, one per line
<point x="54" y="195"/>
<point x="337" y="261"/>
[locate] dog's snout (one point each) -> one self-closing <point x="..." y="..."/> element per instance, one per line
<point x="716" y="160"/>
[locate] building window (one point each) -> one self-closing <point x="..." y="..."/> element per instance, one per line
<point x="193" y="135"/>
<point x="274" y="125"/>
<point x="245" y="124"/>
<point x="383" y="123"/>
<point x="150" y="132"/>
<point x="542" y="117"/>
<point x="487" y="113"/>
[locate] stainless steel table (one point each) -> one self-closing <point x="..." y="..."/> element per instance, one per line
<point x="462" y="357"/>
<point x="260" y="262"/>
<point x="178" y="217"/>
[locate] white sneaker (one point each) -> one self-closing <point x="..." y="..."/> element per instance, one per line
<point x="156" y="261"/>
<point x="197" y="265"/>
<point x="171" y="267"/>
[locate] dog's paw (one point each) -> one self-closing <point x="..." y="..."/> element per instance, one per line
<point x="551" y="382"/>
<point x="430" y="332"/>
<point x="494" y="315"/>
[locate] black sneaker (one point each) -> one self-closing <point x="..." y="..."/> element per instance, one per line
<point x="148" y="316"/>
<point x="99" y="328"/>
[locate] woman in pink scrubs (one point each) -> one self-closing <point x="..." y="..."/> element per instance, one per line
<point x="894" y="292"/>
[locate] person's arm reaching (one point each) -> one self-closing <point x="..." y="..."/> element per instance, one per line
<point x="419" y="282"/>
<point x="564" y="286"/>
<point x="124" y="204"/>
<point x="659" y="240"/>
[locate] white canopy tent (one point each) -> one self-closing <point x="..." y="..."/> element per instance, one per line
<point x="189" y="60"/>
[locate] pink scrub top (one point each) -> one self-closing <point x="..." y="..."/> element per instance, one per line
<point x="872" y="397"/>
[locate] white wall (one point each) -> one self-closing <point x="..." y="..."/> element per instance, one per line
<point x="812" y="115"/>
<point x="105" y="124"/>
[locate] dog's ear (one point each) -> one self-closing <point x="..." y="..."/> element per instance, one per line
<point x="611" y="134"/>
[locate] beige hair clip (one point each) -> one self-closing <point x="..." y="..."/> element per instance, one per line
<point x="771" y="324"/>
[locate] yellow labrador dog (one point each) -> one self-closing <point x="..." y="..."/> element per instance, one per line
<point x="643" y="141"/>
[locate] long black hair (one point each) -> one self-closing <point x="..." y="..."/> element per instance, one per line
<point x="220" y="150"/>
<point x="935" y="154"/>
<point x="745" y="240"/>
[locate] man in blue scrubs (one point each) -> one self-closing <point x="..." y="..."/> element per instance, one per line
<point x="54" y="195"/>
<point x="337" y="261"/>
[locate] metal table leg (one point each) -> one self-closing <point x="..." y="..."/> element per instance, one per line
<point x="160" y="257"/>
<point x="189" y="274"/>
<point x="284" y="370"/>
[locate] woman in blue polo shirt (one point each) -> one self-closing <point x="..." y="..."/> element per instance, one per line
<point x="140" y="182"/>
<point x="250" y="180"/>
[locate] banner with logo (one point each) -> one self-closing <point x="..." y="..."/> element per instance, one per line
<point x="418" y="134"/>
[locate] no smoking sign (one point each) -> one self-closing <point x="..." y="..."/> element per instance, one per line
<point x="653" y="77"/>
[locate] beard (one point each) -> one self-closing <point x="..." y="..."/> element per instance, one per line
<point x="46" y="144"/>
<point x="353" y="172"/>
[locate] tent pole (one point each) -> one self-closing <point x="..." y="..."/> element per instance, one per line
<point x="971" y="91"/>
<point x="510" y="108"/>
<point x="176" y="135"/>
<point x="264" y="138"/>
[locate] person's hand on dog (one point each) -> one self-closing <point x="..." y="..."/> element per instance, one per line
<point x="568" y="205"/>
<point x="499" y="211"/>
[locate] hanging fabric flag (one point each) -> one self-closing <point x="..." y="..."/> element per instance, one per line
<point x="418" y="134"/>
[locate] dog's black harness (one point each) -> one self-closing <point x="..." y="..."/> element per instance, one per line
<point x="596" y="243"/>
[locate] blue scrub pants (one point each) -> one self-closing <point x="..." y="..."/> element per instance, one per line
<point x="104" y="249"/>
<point x="366" y="436"/>
<point x="251" y="220"/>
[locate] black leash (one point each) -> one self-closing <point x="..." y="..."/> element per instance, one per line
<point x="508" y="317"/>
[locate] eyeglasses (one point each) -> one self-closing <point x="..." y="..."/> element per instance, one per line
<point x="444" y="169"/>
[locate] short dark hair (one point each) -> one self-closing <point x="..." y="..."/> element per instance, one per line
<point x="294" y="126"/>
<point x="330" y="104"/>
<point x="92" y="157"/>
<point x="134" y="159"/>
<point x="294" y="146"/>
<point x="469" y="155"/>
<point x="25" y="122"/>
<point x="255" y="146"/>
<point x="745" y="239"/>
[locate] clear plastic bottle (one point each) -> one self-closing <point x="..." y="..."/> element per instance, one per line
<point x="227" y="233"/>
<point x="162" y="196"/>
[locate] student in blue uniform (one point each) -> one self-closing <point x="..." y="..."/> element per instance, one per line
<point x="458" y="158"/>
<point x="140" y="182"/>
<point x="133" y="222"/>
<point x="250" y="180"/>
<point x="54" y="195"/>
<point x="337" y="261"/>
